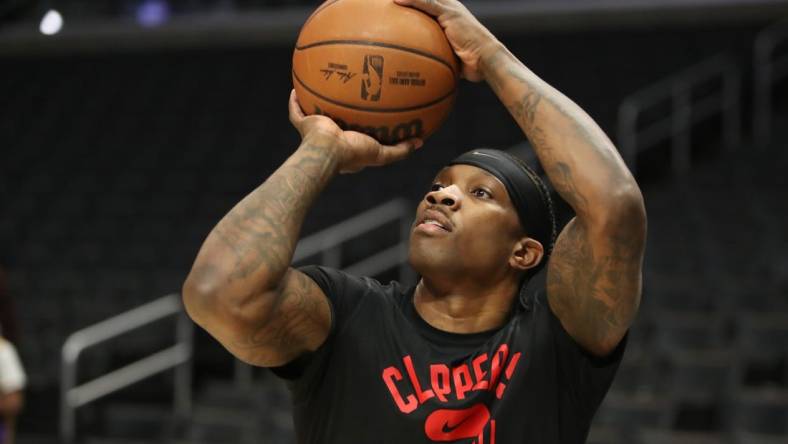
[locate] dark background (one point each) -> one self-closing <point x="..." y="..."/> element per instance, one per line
<point x="117" y="157"/>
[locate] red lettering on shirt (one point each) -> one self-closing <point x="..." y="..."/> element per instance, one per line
<point x="422" y="395"/>
<point x="447" y="383"/>
<point x="499" y="358"/>
<point x="462" y="380"/>
<point x="512" y="365"/>
<point x="438" y="373"/>
<point x="481" y="384"/>
<point x="390" y="375"/>
<point x="509" y="371"/>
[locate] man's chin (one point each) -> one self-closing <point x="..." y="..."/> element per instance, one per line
<point x="428" y="264"/>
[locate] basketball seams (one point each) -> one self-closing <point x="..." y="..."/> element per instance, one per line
<point x="382" y="45"/>
<point x="320" y="9"/>
<point x="373" y="110"/>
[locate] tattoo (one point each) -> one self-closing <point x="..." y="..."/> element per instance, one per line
<point x="292" y="316"/>
<point x="562" y="177"/>
<point x="491" y="64"/>
<point x="594" y="270"/>
<point x="525" y="109"/>
<point x="247" y="255"/>
<point x="596" y="293"/>
<point x="262" y="230"/>
<point x="554" y="126"/>
<point x="301" y="313"/>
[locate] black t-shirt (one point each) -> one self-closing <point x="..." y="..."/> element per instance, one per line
<point x="384" y="375"/>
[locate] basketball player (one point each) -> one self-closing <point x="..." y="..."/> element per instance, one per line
<point x="512" y="334"/>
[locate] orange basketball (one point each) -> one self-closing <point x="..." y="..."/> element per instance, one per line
<point x="375" y="67"/>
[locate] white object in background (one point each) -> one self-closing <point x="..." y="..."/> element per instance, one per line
<point x="52" y="23"/>
<point x="12" y="375"/>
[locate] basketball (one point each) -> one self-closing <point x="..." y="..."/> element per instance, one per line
<point x="375" y="67"/>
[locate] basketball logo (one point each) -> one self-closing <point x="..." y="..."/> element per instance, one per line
<point x="372" y="78"/>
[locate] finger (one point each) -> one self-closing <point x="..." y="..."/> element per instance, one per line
<point x="296" y="113"/>
<point x="350" y="171"/>
<point x="471" y="75"/>
<point x="431" y="7"/>
<point x="417" y="143"/>
<point x="400" y="151"/>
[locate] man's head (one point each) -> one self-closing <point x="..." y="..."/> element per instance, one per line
<point x="486" y="217"/>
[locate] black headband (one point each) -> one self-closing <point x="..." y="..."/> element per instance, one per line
<point x="522" y="184"/>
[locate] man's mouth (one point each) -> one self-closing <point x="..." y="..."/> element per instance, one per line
<point x="434" y="222"/>
<point x="436" y="219"/>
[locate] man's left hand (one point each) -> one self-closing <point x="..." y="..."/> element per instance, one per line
<point x="469" y="38"/>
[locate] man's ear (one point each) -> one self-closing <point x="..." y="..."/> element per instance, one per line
<point x="526" y="254"/>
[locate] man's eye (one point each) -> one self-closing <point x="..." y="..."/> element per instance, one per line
<point x="480" y="192"/>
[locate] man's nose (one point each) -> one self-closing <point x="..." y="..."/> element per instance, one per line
<point x="449" y="196"/>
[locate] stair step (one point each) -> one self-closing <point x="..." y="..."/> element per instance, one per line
<point x="25" y="438"/>
<point x="105" y="440"/>
<point x="138" y="421"/>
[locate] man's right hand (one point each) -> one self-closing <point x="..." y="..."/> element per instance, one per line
<point x="354" y="150"/>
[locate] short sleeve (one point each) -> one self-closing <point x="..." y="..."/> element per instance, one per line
<point x="586" y="377"/>
<point x="12" y="375"/>
<point x="344" y="293"/>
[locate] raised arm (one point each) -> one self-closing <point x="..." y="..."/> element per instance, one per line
<point x="594" y="274"/>
<point x="241" y="288"/>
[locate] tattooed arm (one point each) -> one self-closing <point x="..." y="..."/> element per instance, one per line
<point x="594" y="274"/>
<point x="241" y="288"/>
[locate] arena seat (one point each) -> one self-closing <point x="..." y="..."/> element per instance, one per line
<point x="665" y="436"/>
<point x="636" y="374"/>
<point x="744" y="437"/>
<point x="761" y="412"/>
<point x="762" y="343"/>
<point x="689" y="330"/>
<point x="764" y="331"/>
<point x="137" y="422"/>
<point x="627" y="410"/>
<point x="607" y="435"/>
<point x="704" y="375"/>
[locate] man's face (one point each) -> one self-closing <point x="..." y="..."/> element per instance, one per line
<point x="465" y="226"/>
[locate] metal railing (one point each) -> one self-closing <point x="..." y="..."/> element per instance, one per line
<point x="768" y="70"/>
<point x="328" y="244"/>
<point x="73" y="396"/>
<point x="685" y="111"/>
